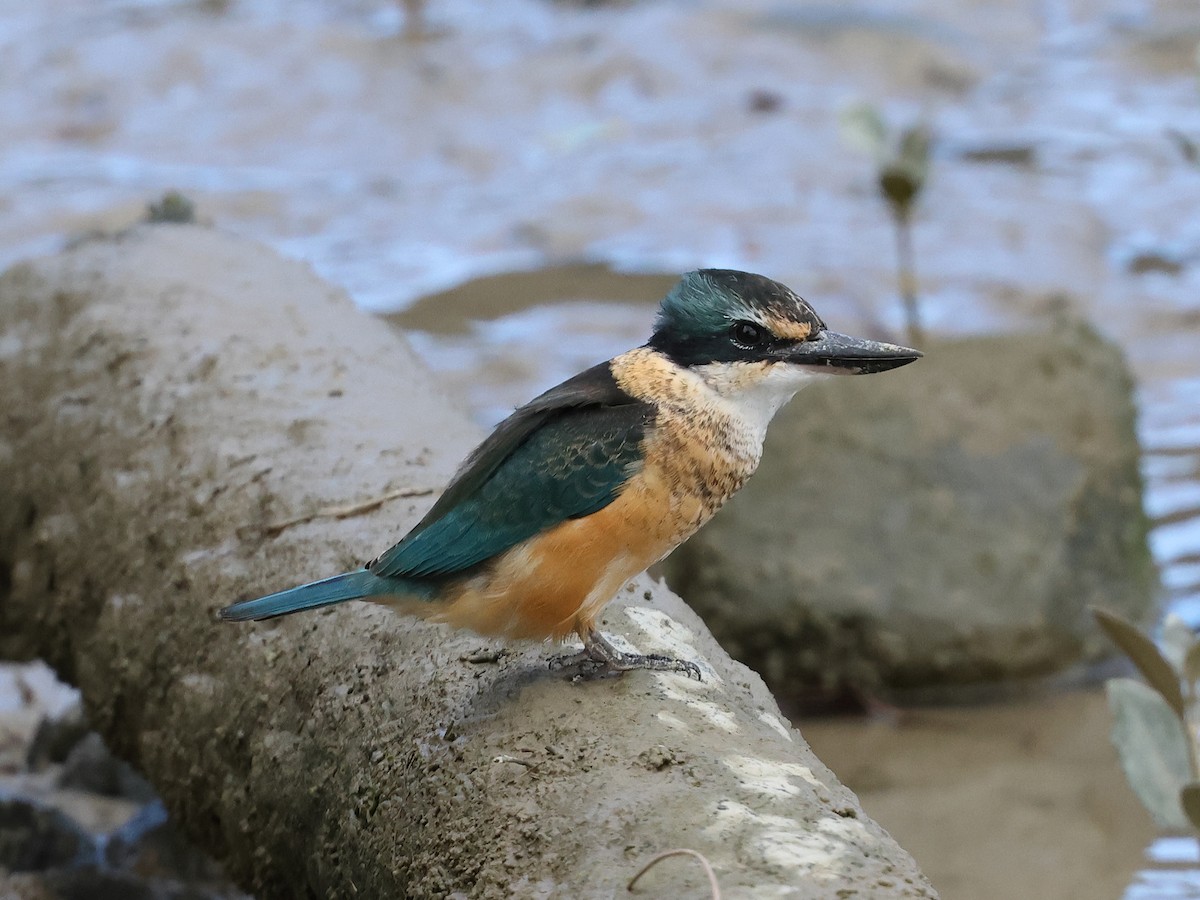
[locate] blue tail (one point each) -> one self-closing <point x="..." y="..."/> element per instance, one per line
<point x="347" y="586"/>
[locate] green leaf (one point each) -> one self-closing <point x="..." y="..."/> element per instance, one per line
<point x="1153" y="749"/>
<point x="914" y="152"/>
<point x="1191" y="664"/>
<point x="1189" y="799"/>
<point x="1175" y="640"/>
<point x="862" y="129"/>
<point x="1145" y="655"/>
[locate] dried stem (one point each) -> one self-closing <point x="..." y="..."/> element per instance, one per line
<point x="683" y="851"/>
<point x="906" y="275"/>
<point x="345" y="512"/>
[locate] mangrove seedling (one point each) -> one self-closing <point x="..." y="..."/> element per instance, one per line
<point x="902" y="167"/>
<point x="172" y="208"/>
<point x="1154" y="724"/>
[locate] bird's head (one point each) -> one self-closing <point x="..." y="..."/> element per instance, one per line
<point x="748" y="336"/>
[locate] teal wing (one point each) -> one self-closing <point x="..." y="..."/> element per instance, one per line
<point x="563" y="456"/>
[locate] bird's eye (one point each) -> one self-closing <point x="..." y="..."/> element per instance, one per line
<point x="747" y="334"/>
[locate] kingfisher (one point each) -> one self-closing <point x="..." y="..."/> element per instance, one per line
<point x="593" y="481"/>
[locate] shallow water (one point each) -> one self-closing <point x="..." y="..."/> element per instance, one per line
<point x="596" y="149"/>
<point x="1019" y="799"/>
<point x="542" y="135"/>
<point x="1173" y="872"/>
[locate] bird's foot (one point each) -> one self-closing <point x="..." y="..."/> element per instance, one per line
<point x="600" y="659"/>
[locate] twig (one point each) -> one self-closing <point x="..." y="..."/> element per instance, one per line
<point x="907" y="277"/>
<point x="683" y="851"/>
<point x="505" y="758"/>
<point x="344" y="512"/>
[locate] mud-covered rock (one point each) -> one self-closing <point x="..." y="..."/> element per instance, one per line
<point x="25" y="886"/>
<point x="55" y="738"/>
<point x="46" y="853"/>
<point x="35" y="837"/>
<point x="150" y="846"/>
<point x="947" y="523"/>
<point x="104" y="884"/>
<point x="195" y="414"/>
<point x="91" y="767"/>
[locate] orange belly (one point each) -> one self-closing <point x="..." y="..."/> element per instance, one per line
<point x="557" y="582"/>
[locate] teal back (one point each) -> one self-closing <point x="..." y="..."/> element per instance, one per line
<point x="569" y="467"/>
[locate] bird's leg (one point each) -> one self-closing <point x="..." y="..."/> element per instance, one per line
<point x="600" y="658"/>
<point x="598" y="647"/>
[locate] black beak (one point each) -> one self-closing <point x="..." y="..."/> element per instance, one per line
<point x="850" y="355"/>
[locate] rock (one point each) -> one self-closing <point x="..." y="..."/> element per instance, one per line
<point x="34" y="838"/>
<point x="196" y="413"/>
<point x="1163" y="261"/>
<point x="45" y="855"/>
<point x="151" y="847"/>
<point x="100" y="884"/>
<point x="55" y="738"/>
<point x="25" y="886"/>
<point x="949" y="523"/>
<point x="91" y="767"/>
<point x="93" y="884"/>
<point x="1004" y="152"/>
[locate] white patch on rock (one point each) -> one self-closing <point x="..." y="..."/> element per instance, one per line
<point x="672" y="721"/>
<point x="228" y="547"/>
<point x="713" y="714"/>
<point x="198" y="683"/>
<point x="774" y="778"/>
<point x="120" y="602"/>
<point x="826" y="850"/>
<point x="669" y="637"/>
<point x="772" y="722"/>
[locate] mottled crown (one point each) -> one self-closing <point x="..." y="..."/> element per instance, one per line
<point x="695" y="317"/>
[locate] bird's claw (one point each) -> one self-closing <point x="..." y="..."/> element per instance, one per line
<point x="600" y="659"/>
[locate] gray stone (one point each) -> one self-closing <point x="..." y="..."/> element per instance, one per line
<point x="34" y="837"/>
<point x="103" y="884"/>
<point x="93" y="884"/>
<point x="149" y="846"/>
<point x="948" y="523"/>
<point x="55" y="738"/>
<point x="91" y="767"/>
